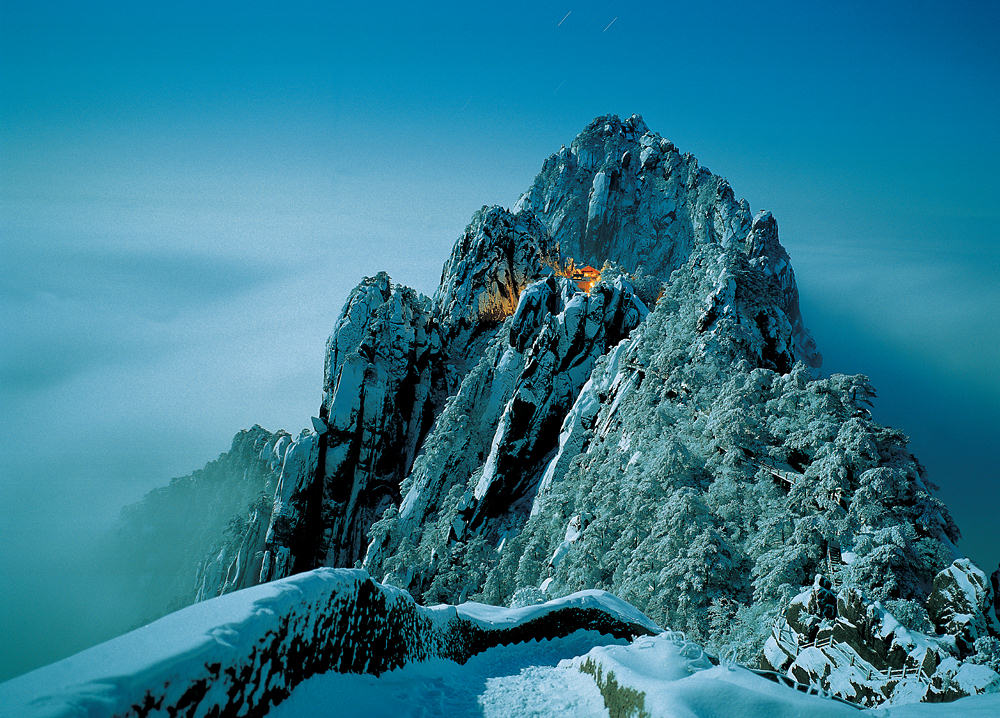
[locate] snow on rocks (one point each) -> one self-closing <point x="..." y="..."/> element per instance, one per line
<point x="243" y="652"/>
<point x="620" y="193"/>
<point x="497" y="256"/>
<point x="666" y="675"/>
<point x="382" y="382"/>
<point x="766" y="253"/>
<point x="544" y="678"/>
<point x="573" y="531"/>
<point x="961" y="604"/>
<point x="391" y="360"/>
<point x="492" y="441"/>
<point x="383" y="379"/>
<point x="859" y="650"/>
<point x="597" y="207"/>
<point x="558" y="363"/>
<point x="297" y="474"/>
<point x="654" y="212"/>
<point x="458" y="435"/>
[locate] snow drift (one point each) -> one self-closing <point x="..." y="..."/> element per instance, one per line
<point x="245" y="651"/>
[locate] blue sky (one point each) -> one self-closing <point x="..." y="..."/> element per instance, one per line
<point x="187" y="194"/>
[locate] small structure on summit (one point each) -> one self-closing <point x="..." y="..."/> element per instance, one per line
<point x="585" y="277"/>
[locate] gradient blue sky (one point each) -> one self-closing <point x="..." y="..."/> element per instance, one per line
<point x="189" y="190"/>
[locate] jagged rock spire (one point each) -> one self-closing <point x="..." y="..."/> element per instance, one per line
<point x="622" y="193"/>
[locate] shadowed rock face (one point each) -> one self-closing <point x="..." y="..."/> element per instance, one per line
<point x="559" y="360"/>
<point x="503" y="425"/>
<point x="995" y="582"/>
<point x="382" y="399"/>
<point x="383" y="378"/>
<point x="391" y="361"/>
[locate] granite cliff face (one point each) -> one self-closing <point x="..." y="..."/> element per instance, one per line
<point x="622" y="193"/>
<point x="661" y="434"/>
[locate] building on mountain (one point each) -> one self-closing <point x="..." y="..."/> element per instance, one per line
<point x="585" y="277"/>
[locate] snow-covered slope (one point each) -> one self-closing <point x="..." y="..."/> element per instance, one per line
<point x="862" y="652"/>
<point x="239" y="653"/>
<point x="662" y="434"/>
<point x="333" y="642"/>
<point x="587" y="676"/>
<point x="669" y="676"/>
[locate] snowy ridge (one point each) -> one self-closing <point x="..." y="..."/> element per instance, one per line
<point x="239" y="653"/>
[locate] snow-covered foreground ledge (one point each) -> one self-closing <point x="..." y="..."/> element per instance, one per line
<point x="665" y="676"/>
<point x="243" y="652"/>
<point x="587" y="675"/>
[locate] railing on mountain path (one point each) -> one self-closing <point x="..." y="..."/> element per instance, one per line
<point x="827" y="642"/>
<point x="813" y="689"/>
<point x="789" y="477"/>
<point x="834" y="565"/>
<point x="818" y="643"/>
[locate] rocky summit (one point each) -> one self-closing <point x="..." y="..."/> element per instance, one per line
<point x="612" y="388"/>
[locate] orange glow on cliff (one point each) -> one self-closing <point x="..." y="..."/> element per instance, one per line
<point x="585" y="277"/>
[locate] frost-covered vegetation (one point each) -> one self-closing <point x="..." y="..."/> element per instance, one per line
<point x="675" y="506"/>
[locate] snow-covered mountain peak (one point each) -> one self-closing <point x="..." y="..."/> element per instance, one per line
<point x="608" y="389"/>
<point x="623" y="194"/>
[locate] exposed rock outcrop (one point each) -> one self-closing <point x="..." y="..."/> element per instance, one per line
<point x="600" y="205"/>
<point x="534" y="371"/>
<point x="961" y="605"/>
<point x="995" y="582"/>
<point x="557" y="364"/>
<point x="860" y="651"/>
<point x="490" y="265"/>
